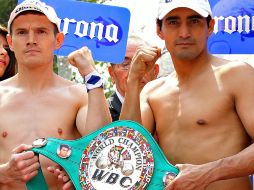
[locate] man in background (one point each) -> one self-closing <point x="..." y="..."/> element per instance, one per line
<point x="119" y="74"/>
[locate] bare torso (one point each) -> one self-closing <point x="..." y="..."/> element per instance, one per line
<point x="26" y="116"/>
<point x="197" y="122"/>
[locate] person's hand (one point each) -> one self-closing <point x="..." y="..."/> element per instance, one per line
<point x="22" y="166"/>
<point x="83" y="60"/>
<point x="191" y="177"/>
<point x="143" y="61"/>
<point x="62" y="176"/>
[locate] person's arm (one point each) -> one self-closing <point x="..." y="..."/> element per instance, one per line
<point x="92" y="115"/>
<point x="22" y="166"/>
<point x="241" y="164"/>
<point x="198" y="177"/>
<point x="96" y="112"/>
<point x="131" y="106"/>
<point x="142" y="62"/>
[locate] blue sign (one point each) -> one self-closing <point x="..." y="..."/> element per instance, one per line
<point x="102" y="28"/>
<point x="233" y="31"/>
<point x="234" y="27"/>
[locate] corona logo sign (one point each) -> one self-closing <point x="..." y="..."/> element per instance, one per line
<point x="109" y="32"/>
<point x="234" y="27"/>
<point x="117" y="159"/>
<point x="232" y="24"/>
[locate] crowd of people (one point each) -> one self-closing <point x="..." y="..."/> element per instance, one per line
<point x="201" y="114"/>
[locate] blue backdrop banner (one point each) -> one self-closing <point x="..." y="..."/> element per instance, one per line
<point x="233" y="31"/>
<point x="234" y="27"/>
<point x="102" y="28"/>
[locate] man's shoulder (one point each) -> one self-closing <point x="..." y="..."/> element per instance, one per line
<point x="162" y="81"/>
<point x="234" y="74"/>
<point x="8" y="84"/>
<point x="234" y="68"/>
<point x="8" y="88"/>
<point x="159" y="85"/>
<point x="70" y="85"/>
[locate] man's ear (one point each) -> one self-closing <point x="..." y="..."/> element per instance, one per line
<point x="211" y="27"/>
<point x="9" y="40"/>
<point x="59" y="40"/>
<point x="110" y="71"/>
<point x="156" y="69"/>
<point x="158" y="31"/>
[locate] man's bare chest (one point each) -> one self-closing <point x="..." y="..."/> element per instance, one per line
<point x="190" y="108"/>
<point x="37" y="116"/>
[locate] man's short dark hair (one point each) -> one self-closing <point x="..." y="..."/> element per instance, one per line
<point x="64" y="146"/>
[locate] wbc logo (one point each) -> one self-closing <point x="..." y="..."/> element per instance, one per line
<point x="117" y="159"/>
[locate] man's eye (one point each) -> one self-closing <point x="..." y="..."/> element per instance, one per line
<point x="126" y="66"/>
<point x="21" y="32"/>
<point x="42" y="32"/>
<point x="195" y="21"/>
<point x="172" y="22"/>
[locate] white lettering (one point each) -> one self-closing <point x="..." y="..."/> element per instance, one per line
<point x="91" y="30"/>
<point x="230" y="20"/>
<point x="78" y="28"/>
<point x="66" y="25"/>
<point x="99" y="31"/>
<point x="216" y="24"/>
<point x="232" y="24"/>
<point x="114" y="32"/>
<point x="240" y="23"/>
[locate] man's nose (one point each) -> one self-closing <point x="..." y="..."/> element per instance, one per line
<point x="184" y="31"/>
<point x="31" y="38"/>
<point x="2" y="51"/>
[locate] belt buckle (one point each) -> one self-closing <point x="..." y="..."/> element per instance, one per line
<point x="40" y="142"/>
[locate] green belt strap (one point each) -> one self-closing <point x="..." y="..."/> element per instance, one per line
<point x="38" y="182"/>
<point x="80" y="146"/>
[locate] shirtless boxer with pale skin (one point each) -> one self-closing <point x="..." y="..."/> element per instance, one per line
<point x="38" y="103"/>
<point x="203" y="113"/>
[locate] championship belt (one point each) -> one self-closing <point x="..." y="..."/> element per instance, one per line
<point x="122" y="155"/>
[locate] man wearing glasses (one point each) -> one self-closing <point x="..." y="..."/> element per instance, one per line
<point x="119" y="74"/>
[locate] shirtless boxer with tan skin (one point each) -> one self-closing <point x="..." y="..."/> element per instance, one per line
<point x="37" y="103"/>
<point x="204" y="112"/>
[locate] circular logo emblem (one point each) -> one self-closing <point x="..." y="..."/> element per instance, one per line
<point x="168" y="178"/>
<point x="64" y="151"/>
<point x="117" y="159"/>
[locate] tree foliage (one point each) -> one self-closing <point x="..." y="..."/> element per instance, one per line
<point x="6" y="6"/>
